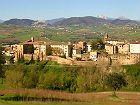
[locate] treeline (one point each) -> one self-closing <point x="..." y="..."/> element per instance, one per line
<point x="52" y="76"/>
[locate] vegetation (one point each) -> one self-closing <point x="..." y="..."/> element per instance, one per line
<point x="2" y="61"/>
<point x="97" y="44"/>
<point x="115" y="81"/>
<point x="26" y="80"/>
<point x="11" y="34"/>
<point x="52" y="76"/>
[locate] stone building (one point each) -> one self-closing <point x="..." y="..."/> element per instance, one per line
<point x="109" y="40"/>
<point x="125" y="59"/>
<point x="82" y="45"/>
<point x="93" y="55"/>
<point x="61" y="49"/>
<point x="111" y="49"/>
<point x="89" y="46"/>
<point x="76" y="52"/>
<point x="116" y="46"/>
<point x="37" y="50"/>
<point x="135" y="47"/>
<point x="123" y="48"/>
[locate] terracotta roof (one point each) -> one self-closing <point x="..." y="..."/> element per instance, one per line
<point x="37" y="42"/>
<point x="135" y="43"/>
<point x="111" y="40"/>
<point x="59" y="44"/>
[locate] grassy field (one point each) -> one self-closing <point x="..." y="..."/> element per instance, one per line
<point x="68" y="33"/>
<point x="45" y="103"/>
<point x="65" y="98"/>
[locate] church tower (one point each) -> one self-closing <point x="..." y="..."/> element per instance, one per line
<point x="106" y="37"/>
<point x="32" y="39"/>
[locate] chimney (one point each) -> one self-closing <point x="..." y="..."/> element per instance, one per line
<point x="32" y="39"/>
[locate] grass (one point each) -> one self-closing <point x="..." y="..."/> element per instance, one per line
<point x="44" y="103"/>
<point x="74" y="33"/>
<point x="65" y="98"/>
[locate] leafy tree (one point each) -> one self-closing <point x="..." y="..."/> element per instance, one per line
<point x="133" y="76"/>
<point x="115" y="81"/>
<point x="32" y="60"/>
<point x="21" y="60"/>
<point x="31" y="77"/>
<point x="87" y="79"/>
<point x="14" y="79"/>
<point x="97" y="44"/>
<point x="48" y="50"/>
<point x="2" y="61"/>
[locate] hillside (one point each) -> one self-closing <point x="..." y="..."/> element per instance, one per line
<point x="123" y="22"/>
<point x="20" y="22"/>
<point x="52" y="21"/>
<point x="89" y="21"/>
<point x="92" y="21"/>
<point x="1" y="21"/>
<point x="10" y="33"/>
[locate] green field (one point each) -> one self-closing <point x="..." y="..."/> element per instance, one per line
<point x="68" y="33"/>
<point x="44" y="103"/>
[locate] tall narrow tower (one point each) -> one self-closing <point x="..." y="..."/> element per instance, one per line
<point x="32" y="39"/>
<point x="106" y="37"/>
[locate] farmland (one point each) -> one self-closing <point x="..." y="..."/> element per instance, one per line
<point x="10" y="33"/>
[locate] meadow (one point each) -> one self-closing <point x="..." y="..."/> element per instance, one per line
<point x="65" y="98"/>
<point x="9" y="33"/>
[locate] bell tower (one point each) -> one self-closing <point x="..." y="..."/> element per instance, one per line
<point x="106" y="37"/>
<point x="32" y="39"/>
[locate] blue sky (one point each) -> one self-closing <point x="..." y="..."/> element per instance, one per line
<point x="50" y="9"/>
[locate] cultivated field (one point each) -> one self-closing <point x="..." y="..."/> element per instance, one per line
<point x="68" y="33"/>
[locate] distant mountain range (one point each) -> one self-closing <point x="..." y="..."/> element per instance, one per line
<point x="52" y="21"/>
<point x="20" y="22"/>
<point x="88" y="21"/>
<point x="1" y="21"/>
<point x="93" y="21"/>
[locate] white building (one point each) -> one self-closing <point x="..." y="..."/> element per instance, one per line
<point x="93" y="55"/>
<point x="66" y="48"/>
<point x="135" y="47"/>
<point x="89" y="46"/>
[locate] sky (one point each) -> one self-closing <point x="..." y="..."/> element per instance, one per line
<point x="51" y="9"/>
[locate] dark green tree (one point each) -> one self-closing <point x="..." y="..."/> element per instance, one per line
<point x="115" y="81"/>
<point x="97" y="44"/>
<point x="32" y="60"/>
<point x="2" y="61"/>
<point x="21" y="60"/>
<point x="48" y="50"/>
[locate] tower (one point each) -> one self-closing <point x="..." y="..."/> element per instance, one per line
<point x="106" y="37"/>
<point x="32" y="39"/>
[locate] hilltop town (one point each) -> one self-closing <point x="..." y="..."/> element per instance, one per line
<point x="81" y="53"/>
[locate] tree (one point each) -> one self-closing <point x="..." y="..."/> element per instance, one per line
<point x="32" y="60"/>
<point x="21" y="60"/>
<point x="115" y="81"/>
<point x="14" y="78"/>
<point x="48" y="50"/>
<point x="97" y="44"/>
<point x="2" y="61"/>
<point x="133" y="76"/>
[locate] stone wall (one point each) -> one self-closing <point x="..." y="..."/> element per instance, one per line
<point x="59" y="60"/>
<point x="126" y="59"/>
